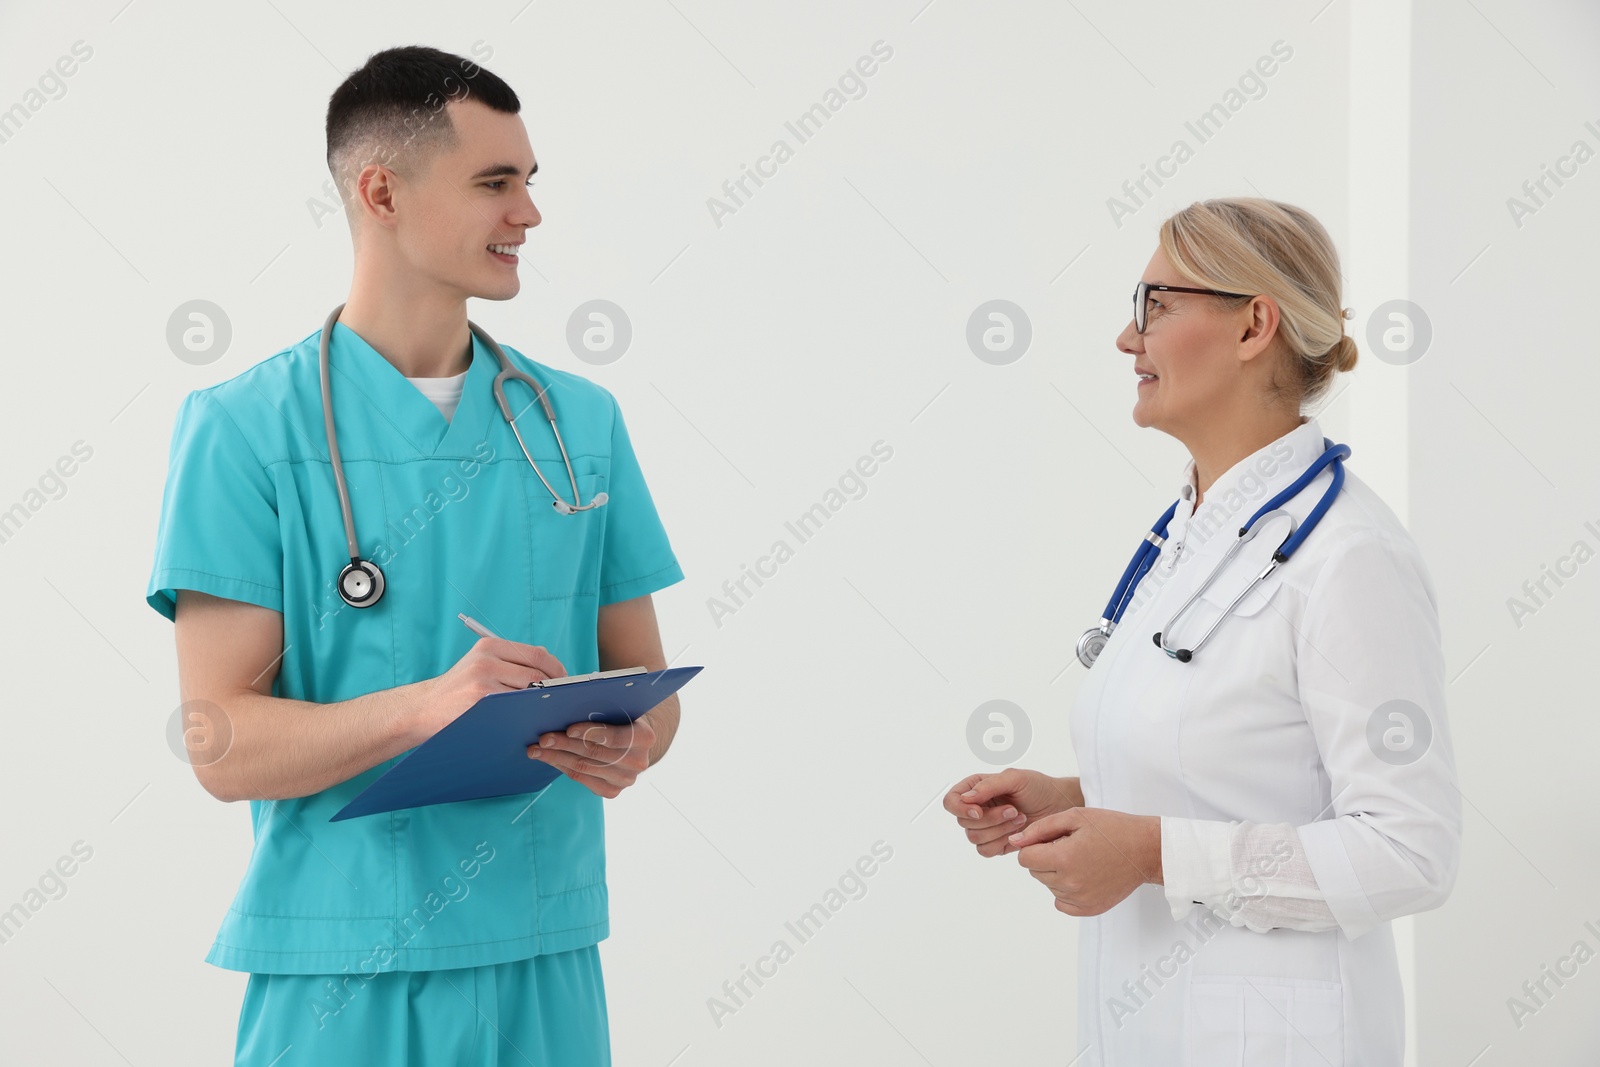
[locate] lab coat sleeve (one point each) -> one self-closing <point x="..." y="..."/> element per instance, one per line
<point x="1370" y="666"/>
<point x="218" y="531"/>
<point x="1372" y="680"/>
<point x="637" y="557"/>
<point x="1254" y="875"/>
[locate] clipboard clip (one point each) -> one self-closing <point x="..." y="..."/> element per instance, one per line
<point x="620" y="672"/>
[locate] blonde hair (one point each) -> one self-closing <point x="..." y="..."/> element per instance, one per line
<point x="1266" y="247"/>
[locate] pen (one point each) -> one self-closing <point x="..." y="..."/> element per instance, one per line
<point x="477" y="627"/>
<point x="482" y="631"/>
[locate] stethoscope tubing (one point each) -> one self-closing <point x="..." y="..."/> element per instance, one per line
<point x="333" y="439"/>
<point x="365" y="579"/>
<point x="1143" y="558"/>
<point x="517" y="374"/>
<point x="1149" y="549"/>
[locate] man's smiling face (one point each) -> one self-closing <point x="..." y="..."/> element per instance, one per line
<point x="469" y="205"/>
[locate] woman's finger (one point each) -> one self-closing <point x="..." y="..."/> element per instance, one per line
<point x="953" y="802"/>
<point x="995" y="816"/>
<point x="1048" y="828"/>
<point x="1003" y="832"/>
<point x="992" y="786"/>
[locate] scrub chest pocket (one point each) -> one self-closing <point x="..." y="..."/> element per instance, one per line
<point x="562" y="549"/>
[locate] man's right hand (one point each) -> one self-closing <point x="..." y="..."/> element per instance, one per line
<point x="491" y="665"/>
<point x="991" y="807"/>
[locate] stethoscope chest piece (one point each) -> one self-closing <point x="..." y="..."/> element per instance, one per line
<point x="1091" y="644"/>
<point x="361" y="583"/>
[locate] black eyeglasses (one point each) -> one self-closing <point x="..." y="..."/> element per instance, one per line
<point x="1141" y="298"/>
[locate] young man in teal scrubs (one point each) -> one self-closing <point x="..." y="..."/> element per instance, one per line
<point x="461" y="933"/>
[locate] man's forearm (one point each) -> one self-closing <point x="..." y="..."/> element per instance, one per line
<point x="664" y="717"/>
<point x="277" y="748"/>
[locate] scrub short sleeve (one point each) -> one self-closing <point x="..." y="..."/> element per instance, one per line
<point x="219" y="517"/>
<point x="637" y="557"/>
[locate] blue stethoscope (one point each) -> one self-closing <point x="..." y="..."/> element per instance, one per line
<point x="1094" y="639"/>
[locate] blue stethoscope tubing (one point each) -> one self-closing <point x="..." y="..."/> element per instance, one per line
<point x="361" y="582"/>
<point x="1094" y="639"/>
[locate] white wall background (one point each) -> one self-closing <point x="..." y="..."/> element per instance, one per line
<point x="1502" y="482"/>
<point x="769" y="353"/>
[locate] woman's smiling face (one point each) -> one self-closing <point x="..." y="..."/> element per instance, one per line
<point x="1191" y="345"/>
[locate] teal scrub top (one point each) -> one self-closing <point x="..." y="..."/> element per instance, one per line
<point x="458" y="521"/>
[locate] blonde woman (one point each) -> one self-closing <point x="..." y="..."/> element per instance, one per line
<point x="1266" y="771"/>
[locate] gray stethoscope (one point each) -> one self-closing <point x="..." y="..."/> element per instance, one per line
<point x="1094" y="639"/>
<point x="361" y="582"/>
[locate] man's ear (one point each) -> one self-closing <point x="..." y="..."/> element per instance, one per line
<point x="376" y="187"/>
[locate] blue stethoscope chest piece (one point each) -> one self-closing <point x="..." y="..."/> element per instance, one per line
<point x="1094" y="639"/>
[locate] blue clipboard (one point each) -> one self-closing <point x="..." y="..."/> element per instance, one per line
<point x="484" y="751"/>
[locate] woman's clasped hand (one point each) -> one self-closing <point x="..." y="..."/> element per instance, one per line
<point x="1089" y="858"/>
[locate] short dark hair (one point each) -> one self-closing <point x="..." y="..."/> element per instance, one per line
<point x="392" y="111"/>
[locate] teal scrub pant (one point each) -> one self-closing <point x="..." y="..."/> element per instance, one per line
<point x="544" y="1011"/>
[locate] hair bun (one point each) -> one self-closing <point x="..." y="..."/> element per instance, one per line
<point x="1343" y="356"/>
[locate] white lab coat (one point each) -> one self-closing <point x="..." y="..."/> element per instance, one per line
<point x="1300" y="821"/>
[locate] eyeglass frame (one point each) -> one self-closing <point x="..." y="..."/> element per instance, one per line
<point x="1142" y="291"/>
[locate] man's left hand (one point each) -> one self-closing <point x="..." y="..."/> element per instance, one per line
<point x="605" y="759"/>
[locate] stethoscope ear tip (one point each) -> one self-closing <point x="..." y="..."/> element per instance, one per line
<point x="1182" y="655"/>
<point x="564" y="508"/>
